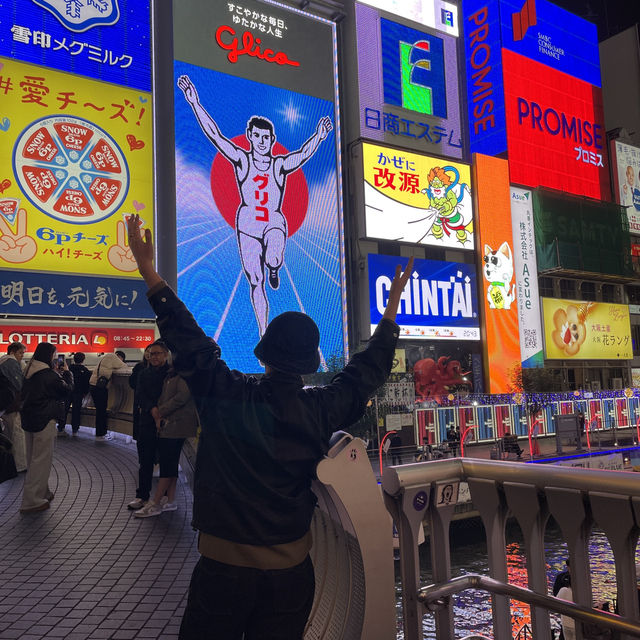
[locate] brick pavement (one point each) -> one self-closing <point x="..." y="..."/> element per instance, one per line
<point x="86" y="568"/>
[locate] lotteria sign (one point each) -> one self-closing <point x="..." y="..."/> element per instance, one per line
<point x="74" y="338"/>
<point x="555" y="129"/>
<point x="438" y="303"/>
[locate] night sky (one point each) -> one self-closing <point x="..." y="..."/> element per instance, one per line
<point x="611" y="16"/>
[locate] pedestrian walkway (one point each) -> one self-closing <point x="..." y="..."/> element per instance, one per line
<point x="86" y="568"/>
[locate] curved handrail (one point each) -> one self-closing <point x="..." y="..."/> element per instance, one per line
<point x="432" y="595"/>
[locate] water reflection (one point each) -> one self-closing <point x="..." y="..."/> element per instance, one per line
<point x="469" y="555"/>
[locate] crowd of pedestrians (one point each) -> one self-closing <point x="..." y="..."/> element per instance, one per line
<point x="41" y="394"/>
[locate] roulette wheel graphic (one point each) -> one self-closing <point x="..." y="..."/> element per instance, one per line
<point x="71" y="169"/>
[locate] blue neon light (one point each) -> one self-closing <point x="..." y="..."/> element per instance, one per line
<point x="485" y="87"/>
<point x="557" y="38"/>
<point x="119" y="53"/>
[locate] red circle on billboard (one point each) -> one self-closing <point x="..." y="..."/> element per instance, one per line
<point x="226" y="195"/>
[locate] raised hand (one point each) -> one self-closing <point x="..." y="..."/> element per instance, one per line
<point x="398" y="285"/>
<point x="17" y="247"/>
<point x="142" y="250"/>
<point x="190" y="93"/>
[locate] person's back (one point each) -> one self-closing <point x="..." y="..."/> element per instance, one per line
<point x="260" y="442"/>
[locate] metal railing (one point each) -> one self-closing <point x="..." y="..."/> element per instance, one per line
<point x="604" y="417"/>
<point x="577" y="499"/>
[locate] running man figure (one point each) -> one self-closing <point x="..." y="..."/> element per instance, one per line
<point x="261" y="177"/>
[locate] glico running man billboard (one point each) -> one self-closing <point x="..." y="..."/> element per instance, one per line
<point x="438" y="303"/>
<point x="259" y="225"/>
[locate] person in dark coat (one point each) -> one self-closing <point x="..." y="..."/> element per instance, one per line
<point x="81" y="377"/>
<point x="43" y="389"/>
<point x="133" y="382"/>
<point x="148" y="389"/>
<point x="260" y="442"/>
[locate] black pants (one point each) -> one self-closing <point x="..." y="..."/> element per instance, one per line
<point x="76" y="408"/>
<point x="147" y="444"/>
<point x="100" y="397"/>
<point x="226" y="601"/>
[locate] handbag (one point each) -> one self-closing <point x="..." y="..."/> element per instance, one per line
<point x="7" y="463"/>
<point x="102" y="381"/>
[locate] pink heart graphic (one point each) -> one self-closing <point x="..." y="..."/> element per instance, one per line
<point x="138" y="206"/>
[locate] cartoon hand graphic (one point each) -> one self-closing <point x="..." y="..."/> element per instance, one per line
<point x="119" y="254"/>
<point x="324" y="127"/>
<point x="17" y="247"/>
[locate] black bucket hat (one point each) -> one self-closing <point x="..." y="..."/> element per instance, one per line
<point x="290" y="344"/>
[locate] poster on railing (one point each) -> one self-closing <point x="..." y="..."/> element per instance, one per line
<point x="579" y="330"/>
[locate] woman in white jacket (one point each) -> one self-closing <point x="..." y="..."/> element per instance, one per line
<point x="109" y="363"/>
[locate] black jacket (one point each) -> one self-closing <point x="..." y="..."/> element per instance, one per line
<point x="262" y="438"/>
<point x="81" y="377"/>
<point x="42" y="392"/>
<point x="148" y="389"/>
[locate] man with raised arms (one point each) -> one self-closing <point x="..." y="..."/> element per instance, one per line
<point x="260" y="442"/>
<point x="261" y="227"/>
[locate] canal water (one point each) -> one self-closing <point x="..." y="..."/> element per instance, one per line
<point x="469" y="555"/>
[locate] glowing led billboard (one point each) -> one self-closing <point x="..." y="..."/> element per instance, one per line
<point x="542" y="31"/>
<point x="78" y="159"/>
<point x="258" y="176"/>
<point x="493" y="219"/>
<point x="414" y="102"/>
<point x="418" y="199"/>
<point x="563" y="44"/>
<point x="107" y="40"/>
<point x="626" y="178"/>
<point x="526" y="276"/>
<point x="436" y="14"/>
<point x="485" y="89"/>
<point x="579" y="330"/>
<point x="438" y="303"/>
<point x="555" y="129"/>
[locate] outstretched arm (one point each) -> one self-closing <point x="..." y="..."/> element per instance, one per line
<point x="297" y="158"/>
<point x="228" y="149"/>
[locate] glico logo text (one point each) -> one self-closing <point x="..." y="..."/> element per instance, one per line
<point x="250" y="46"/>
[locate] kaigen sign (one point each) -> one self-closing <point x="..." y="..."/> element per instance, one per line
<point x="555" y="129"/>
<point x="69" y="339"/>
<point x="493" y="219"/>
<point x="438" y="303"/>
<point x="258" y="207"/>
<point x="418" y="199"/>
<point x="108" y="40"/>
<point x="578" y="330"/>
<point x="415" y="102"/>
<point x="526" y="276"/>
